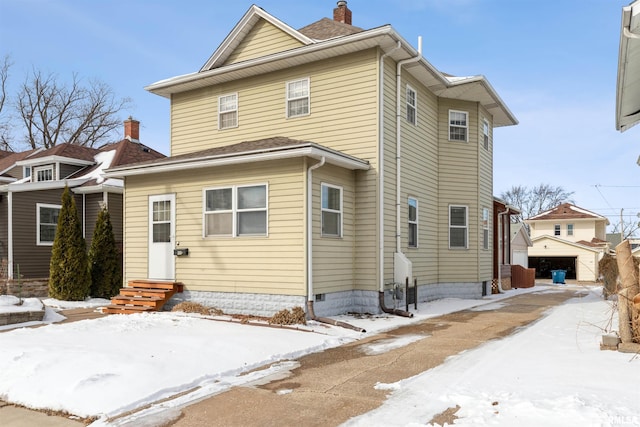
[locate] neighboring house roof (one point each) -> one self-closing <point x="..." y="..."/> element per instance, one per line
<point x="9" y="161"/>
<point x="567" y="211"/>
<point x="569" y="243"/>
<point x="628" y="82"/>
<point x="243" y="152"/>
<point x="594" y="243"/>
<point x="216" y="71"/>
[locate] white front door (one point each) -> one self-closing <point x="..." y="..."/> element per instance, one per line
<point x="162" y="231"/>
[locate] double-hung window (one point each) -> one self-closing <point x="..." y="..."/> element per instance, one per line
<point x="331" y="203"/>
<point x="485" y="228"/>
<point x="47" y="216"/>
<point x="458" y="125"/>
<point x="569" y="229"/>
<point x="235" y="211"/>
<point x="298" y="98"/>
<point x="458" y="229"/>
<point x="43" y="173"/>
<point x="413" y="223"/>
<point x="228" y="111"/>
<point x="556" y="230"/>
<point x="412" y="106"/>
<point x="485" y="134"/>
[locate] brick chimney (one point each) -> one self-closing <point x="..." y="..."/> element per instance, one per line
<point x="342" y="13"/>
<point x="132" y="129"/>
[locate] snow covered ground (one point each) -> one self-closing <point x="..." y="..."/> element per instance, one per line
<point x="551" y="373"/>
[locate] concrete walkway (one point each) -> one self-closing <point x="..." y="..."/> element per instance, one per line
<point x="330" y="387"/>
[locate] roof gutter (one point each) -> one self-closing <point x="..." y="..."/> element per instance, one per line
<point x="332" y="157"/>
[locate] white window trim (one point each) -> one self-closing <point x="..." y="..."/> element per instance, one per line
<point x="485" y="133"/>
<point x="416" y="222"/>
<point x="415" y="107"/>
<point x="38" y="207"/>
<point x="572" y="229"/>
<point x="287" y="99"/>
<point x="24" y="172"/>
<point x="220" y="112"/>
<point x="339" y="212"/>
<point x="36" y="169"/>
<point x="466" y="127"/>
<point x="485" y="227"/>
<point x="234" y="211"/>
<point x="466" y="227"/>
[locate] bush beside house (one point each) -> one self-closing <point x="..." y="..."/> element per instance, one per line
<point x="69" y="277"/>
<point x="104" y="263"/>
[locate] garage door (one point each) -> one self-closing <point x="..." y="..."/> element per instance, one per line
<point x="544" y="266"/>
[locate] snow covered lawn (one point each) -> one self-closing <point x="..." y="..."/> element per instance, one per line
<point x="551" y="373"/>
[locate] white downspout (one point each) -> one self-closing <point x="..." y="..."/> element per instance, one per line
<point x="500" y="246"/>
<point x="381" y="169"/>
<point x="9" y="234"/>
<point x="310" y="227"/>
<point x="398" y="140"/>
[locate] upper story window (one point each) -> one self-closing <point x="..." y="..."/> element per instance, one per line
<point x="26" y="171"/>
<point x="485" y="134"/>
<point x="413" y="223"/>
<point x="556" y="230"/>
<point x="412" y="106"/>
<point x="47" y="216"/>
<point x="569" y="229"/>
<point x="458" y="227"/>
<point x="458" y="125"/>
<point x="228" y="111"/>
<point x="331" y="202"/>
<point x="235" y="211"/>
<point x="42" y="173"/>
<point x="485" y="228"/>
<point x="298" y="98"/>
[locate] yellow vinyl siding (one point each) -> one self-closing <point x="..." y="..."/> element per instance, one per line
<point x="334" y="257"/>
<point x="257" y="264"/>
<point x="262" y="40"/>
<point x="461" y="182"/>
<point x="343" y="116"/>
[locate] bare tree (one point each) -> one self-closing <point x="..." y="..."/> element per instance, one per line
<point x="532" y="201"/>
<point x="4" y="119"/>
<point x="54" y="113"/>
<point x="628" y="228"/>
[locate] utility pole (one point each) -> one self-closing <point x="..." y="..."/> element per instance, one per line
<point x="621" y="226"/>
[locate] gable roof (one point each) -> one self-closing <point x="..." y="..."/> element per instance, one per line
<point x="628" y="81"/>
<point x="215" y="71"/>
<point x="567" y="211"/>
<point x="242" y="153"/>
<point x="569" y="243"/>
<point x="518" y="228"/>
<point x="9" y="161"/>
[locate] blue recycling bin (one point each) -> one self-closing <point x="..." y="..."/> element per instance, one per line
<point x="558" y="276"/>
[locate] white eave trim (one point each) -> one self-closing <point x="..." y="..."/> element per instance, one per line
<point x="567" y="242"/>
<point x="44" y="185"/>
<point x="332" y="157"/>
<point x="54" y="159"/>
<point x="98" y="188"/>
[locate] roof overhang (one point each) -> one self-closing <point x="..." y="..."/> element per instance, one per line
<point x="98" y="188"/>
<point x="19" y="187"/>
<point x="310" y="150"/>
<point x="628" y="82"/>
<point x="476" y="89"/>
<point x="54" y="159"/>
<point x="567" y="242"/>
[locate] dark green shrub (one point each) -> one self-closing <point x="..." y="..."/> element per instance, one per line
<point x="69" y="278"/>
<point x="104" y="261"/>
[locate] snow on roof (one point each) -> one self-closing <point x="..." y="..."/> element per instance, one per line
<point x="103" y="161"/>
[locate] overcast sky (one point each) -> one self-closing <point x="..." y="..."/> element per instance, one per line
<point x="553" y="62"/>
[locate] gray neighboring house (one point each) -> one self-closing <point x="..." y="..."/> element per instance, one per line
<point x="31" y="186"/>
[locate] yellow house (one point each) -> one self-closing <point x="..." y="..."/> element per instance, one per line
<point x="569" y="238"/>
<point x="319" y="168"/>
